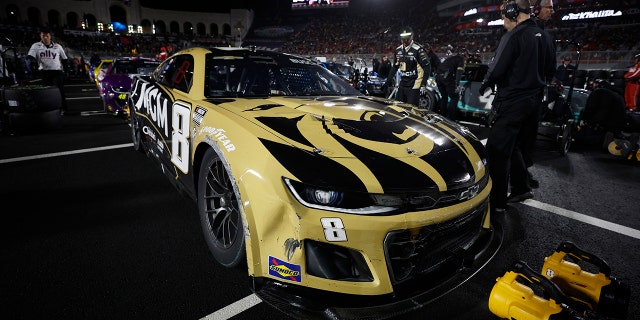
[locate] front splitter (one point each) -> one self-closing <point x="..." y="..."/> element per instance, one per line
<point x="305" y="303"/>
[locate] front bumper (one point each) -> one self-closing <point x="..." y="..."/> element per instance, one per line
<point x="306" y="303"/>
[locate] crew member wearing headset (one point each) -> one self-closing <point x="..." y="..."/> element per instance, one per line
<point x="518" y="71"/>
<point x="542" y="12"/>
<point x="50" y="59"/>
<point x="412" y="60"/>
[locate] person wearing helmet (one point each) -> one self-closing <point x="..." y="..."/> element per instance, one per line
<point x="632" y="87"/>
<point x="412" y="61"/>
<point x="448" y="76"/>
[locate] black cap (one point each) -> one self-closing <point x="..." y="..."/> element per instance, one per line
<point x="406" y="33"/>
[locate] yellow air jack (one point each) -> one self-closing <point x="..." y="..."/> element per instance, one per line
<point x="513" y="297"/>
<point x="598" y="292"/>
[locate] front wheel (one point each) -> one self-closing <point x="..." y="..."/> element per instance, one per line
<point x="219" y="210"/>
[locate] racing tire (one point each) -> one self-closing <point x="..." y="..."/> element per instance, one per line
<point x="565" y="137"/>
<point x="32" y="99"/>
<point x="33" y="122"/>
<point x="617" y="73"/>
<point x="579" y="82"/>
<point x="427" y="100"/>
<point x="220" y="211"/>
<point x="136" y="136"/>
<point x="31" y="108"/>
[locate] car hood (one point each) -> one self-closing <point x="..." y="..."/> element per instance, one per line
<point x="370" y="133"/>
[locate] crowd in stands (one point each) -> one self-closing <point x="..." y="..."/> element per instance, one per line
<point x="343" y="32"/>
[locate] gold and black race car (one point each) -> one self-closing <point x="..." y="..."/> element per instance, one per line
<point x="336" y="202"/>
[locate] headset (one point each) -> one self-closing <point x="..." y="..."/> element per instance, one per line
<point x="536" y="8"/>
<point x="511" y="10"/>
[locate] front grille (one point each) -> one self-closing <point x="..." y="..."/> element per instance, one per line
<point x="417" y="253"/>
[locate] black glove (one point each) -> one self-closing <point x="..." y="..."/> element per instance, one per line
<point x="483" y="87"/>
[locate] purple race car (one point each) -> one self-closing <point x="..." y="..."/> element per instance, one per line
<point x="115" y="87"/>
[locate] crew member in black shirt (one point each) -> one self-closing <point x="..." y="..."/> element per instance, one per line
<point x="518" y="71"/>
<point x="448" y="76"/>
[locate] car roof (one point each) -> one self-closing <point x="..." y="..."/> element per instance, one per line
<point x="253" y="54"/>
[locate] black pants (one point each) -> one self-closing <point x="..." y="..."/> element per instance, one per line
<point x="55" y="78"/>
<point x="511" y="129"/>
<point x="449" y="102"/>
<point x="408" y="95"/>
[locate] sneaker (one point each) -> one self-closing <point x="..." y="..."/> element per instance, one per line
<point x="534" y="183"/>
<point x="520" y="196"/>
<point x="498" y="210"/>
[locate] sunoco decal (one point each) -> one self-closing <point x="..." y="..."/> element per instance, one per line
<point x="284" y="270"/>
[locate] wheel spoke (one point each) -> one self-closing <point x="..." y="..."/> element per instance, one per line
<point x="221" y="206"/>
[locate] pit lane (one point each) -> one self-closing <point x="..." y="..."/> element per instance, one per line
<point x="92" y="230"/>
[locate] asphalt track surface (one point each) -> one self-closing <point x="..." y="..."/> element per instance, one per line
<point x="92" y="230"/>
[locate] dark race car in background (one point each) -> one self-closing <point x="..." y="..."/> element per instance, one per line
<point x="116" y="83"/>
<point x="359" y="76"/>
<point x="335" y="202"/>
<point x="559" y="117"/>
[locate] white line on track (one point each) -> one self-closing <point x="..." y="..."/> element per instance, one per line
<point x="252" y="300"/>
<point x="83" y="98"/>
<point x="234" y="308"/>
<point x="584" y="218"/>
<point x="65" y="153"/>
<point x="92" y="113"/>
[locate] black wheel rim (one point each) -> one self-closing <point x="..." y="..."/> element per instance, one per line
<point x="566" y="138"/>
<point x="221" y="207"/>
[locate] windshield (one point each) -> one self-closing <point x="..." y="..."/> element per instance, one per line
<point x="265" y="76"/>
<point x="134" y="66"/>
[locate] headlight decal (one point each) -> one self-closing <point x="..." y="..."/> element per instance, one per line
<point x="391" y="173"/>
<point x="348" y="202"/>
<point x="312" y="168"/>
<point x="454" y="167"/>
<point x="286" y="127"/>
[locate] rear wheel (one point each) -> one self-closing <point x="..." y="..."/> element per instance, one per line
<point x="565" y="136"/>
<point x="428" y="100"/>
<point x="219" y="210"/>
<point x="136" y="135"/>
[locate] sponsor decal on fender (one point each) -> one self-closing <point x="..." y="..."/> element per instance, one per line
<point x="219" y="134"/>
<point x="284" y="270"/>
<point x="198" y="115"/>
<point x="155" y="104"/>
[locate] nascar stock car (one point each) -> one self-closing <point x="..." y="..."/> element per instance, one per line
<point x="332" y="199"/>
<point x="100" y="70"/>
<point x="116" y="82"/>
